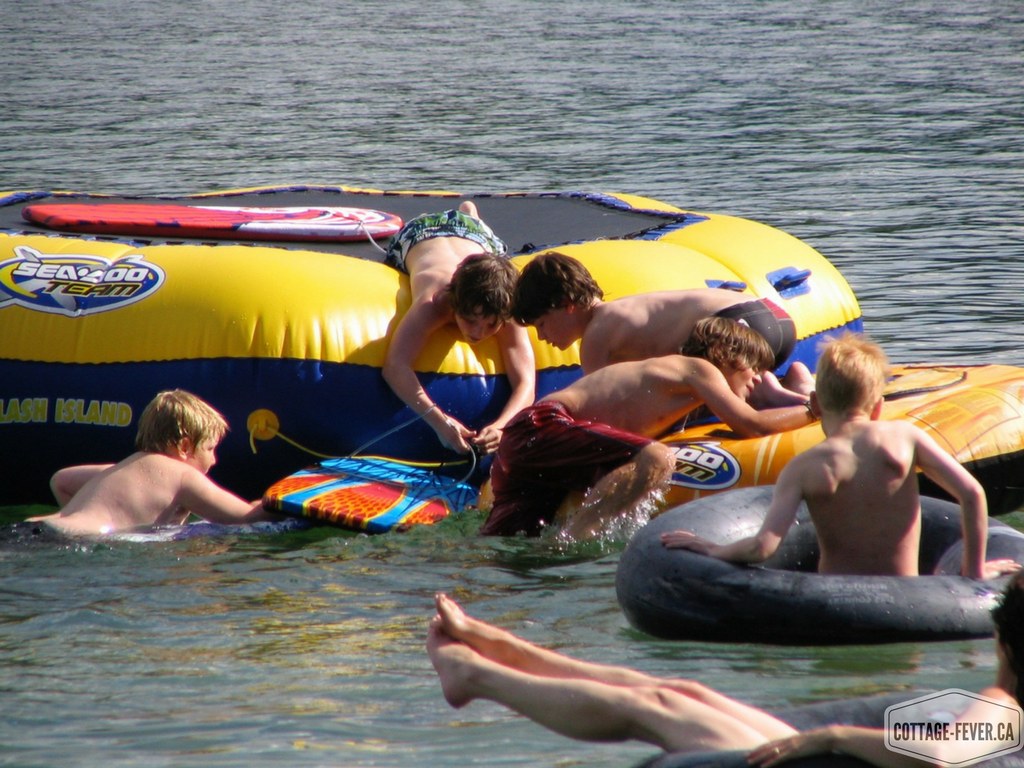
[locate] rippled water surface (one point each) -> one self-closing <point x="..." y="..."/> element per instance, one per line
<point x="885" y="135"/>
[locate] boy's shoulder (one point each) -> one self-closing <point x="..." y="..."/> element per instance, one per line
<point x="680" y="369"/>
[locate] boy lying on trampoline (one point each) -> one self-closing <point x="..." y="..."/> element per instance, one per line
<point x="459" y="275"/>
<point x="559" y="297"/>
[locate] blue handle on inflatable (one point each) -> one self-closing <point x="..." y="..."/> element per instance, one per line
<point x="729" y="285"/>
<point x="790" y="281"/>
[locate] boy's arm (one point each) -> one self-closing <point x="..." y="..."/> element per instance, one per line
<point x="943" y="469"/>
<point x="710" y="385"/>
<point x="204" y="498"/>
<point x="757" y="548"/>
<point x="66" y="482"/>
<point x="409" y="339"/>
<point x="868" y="744"/>
<point x="521" y="369"/>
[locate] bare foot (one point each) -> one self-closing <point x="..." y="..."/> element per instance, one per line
<point x="453" y="661"/>
<point x="469" y="207"/>
<point x="489" y="641"/>
<point x="457" y="625"/>
<point x="771" y="394"/>
<point x="799" y="379"/>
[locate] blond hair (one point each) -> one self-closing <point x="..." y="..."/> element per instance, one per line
<point x="726" y="343"/>
<point x="851" y="374"/>
<point x="174" y="415"/>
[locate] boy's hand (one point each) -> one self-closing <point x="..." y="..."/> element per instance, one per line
<point x="487" y="439"/>
<point x="814" y="742"/>
<point x="686" y="540"/>
<point x="453" y="435"/>
<point x="993" y="569"/>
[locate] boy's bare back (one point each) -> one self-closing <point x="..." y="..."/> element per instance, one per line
<point x="432" y="263"/>
<point x="610" y="395"/>
<point x="649" y="324"/>
<point x="647" y="397"/>
<point x="860" y="483"/>
<point x="861" y="491"/>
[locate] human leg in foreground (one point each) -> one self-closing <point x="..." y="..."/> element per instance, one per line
<point x="591" y="702"/>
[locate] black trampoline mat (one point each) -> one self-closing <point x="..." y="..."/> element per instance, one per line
<point x="526" y="222"/>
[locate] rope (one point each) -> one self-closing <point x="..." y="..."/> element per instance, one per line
<point x="278" y="433"/>
<point x="272" y="429"/>
<point x="362" y="225"/>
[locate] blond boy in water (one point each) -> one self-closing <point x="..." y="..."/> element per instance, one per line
<point x="162" y="483"/>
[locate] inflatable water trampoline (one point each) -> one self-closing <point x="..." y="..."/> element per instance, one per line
<point x="287" y="337"/>
<point x="273" y="305"/>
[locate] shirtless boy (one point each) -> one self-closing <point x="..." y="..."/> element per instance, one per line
<point x="559" y="296"/>
<point x="860" y="483"/>
<point x="459" y="275"/>
<point x="596" y="436"/>
<point x="161" y="484"/>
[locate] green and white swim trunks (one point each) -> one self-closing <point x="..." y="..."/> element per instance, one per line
<point x="453" y="223"/>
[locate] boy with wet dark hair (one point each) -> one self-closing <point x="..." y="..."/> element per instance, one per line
<point x="560" y="298"/>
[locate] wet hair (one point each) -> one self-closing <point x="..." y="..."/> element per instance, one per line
<point x="483" y="284"/>
<point x="851" y="374"/>
<point x="1008" y="616"/>
<point x="727" y="343"/>
<point x="176" y="414"/>
<point x="552" y="281"/>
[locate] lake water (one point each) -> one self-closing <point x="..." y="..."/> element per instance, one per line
<point x="888" y="136"/>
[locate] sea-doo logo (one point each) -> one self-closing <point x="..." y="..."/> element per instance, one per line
<point x="705" y="467"/>
<point x="75" y="284"/>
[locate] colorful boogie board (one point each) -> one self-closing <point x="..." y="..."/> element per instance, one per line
<point x="217" y="222"/>
<point x="370" y="494"/>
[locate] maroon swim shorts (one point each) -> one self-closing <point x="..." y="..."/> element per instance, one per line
<point x="545" y="453"/>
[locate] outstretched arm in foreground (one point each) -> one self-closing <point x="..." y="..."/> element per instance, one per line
<point x="869" y="743"/>
<point x="586" y="701"/>
<point x="203" y="497"/>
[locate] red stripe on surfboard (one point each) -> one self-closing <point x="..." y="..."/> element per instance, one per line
<point x="218" y="222"/>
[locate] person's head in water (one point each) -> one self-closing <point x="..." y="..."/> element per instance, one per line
<point x="1009" y="620"/>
